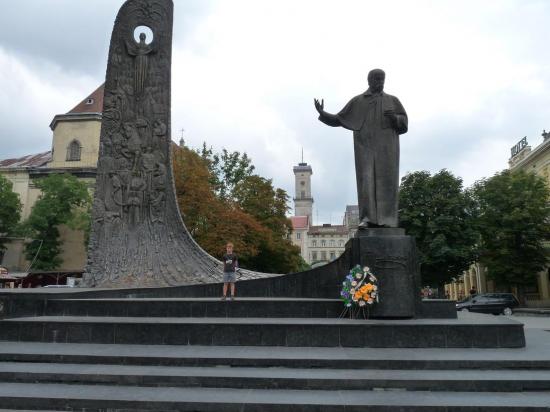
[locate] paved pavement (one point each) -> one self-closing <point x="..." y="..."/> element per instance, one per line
<point x="532" y="322"/>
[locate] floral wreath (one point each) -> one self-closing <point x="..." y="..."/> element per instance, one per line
<point x="360" y="288"/>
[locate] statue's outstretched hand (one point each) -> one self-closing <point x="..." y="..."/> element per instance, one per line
<point x="319" y="106"/>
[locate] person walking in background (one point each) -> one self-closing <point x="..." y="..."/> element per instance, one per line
<point x="473" y="291"/>
<point x="230" y="265"/>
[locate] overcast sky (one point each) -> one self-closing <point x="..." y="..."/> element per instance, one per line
<point x="473" y="76"/>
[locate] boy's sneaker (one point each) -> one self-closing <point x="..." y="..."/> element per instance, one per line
<point x="223" y="297"/>
<point x="232" y="298"/>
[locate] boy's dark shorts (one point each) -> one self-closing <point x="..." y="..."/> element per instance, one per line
<point x="229" y="277"/>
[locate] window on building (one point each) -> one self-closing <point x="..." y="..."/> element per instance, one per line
<point x="298" y="235"/>
<point x="323" y="255"/>
<point x="323" y="243"/>
<point x="90" y="101"/>
<point x="314" y="243"/>
<point x="73" y="151"/>
<point x="303" y="194"/>
<point x="332" y="243"/>
<point x="313" y="256"/>
<point x="341" y="243"/>
<point x="332" y="255"/>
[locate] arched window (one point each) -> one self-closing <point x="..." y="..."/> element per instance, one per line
<point x="314" y="243"/>
<point x="341" y="243"/>
<point x="332" y="243"/>
<point x="73" y="151"/>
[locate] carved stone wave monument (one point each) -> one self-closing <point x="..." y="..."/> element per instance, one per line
<point x="138" y="238"/>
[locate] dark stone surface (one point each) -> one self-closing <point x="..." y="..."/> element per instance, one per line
<point x="130" y="398"/>
<point x="376" y="119"/>
<point x="196" y="307"/>
<point x="393" y="261"/>
<point x="437" y="309"/>
<point x="268" y="332"/>
<point x="381" y="231"/>
<point x="280" y="378"/>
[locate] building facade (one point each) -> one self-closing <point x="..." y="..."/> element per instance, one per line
<point x="74" y="150"/>
<point x="523" y="157"/>
<point x="319" y="244"/>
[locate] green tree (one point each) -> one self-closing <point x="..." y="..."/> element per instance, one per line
<point x="63" y="200"/>
<point x="227" y="169"/>
<point x="513" y="221"/>
<point x="10" y="211"/>
<point x="211" y="221"/>
<point x="221" y="200"/>
<point x="441" y="216"/>
<point x="257" y="196"/>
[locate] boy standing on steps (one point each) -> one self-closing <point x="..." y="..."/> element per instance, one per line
<point x="230" y="265"/>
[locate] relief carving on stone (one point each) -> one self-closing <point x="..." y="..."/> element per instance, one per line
<point x="138" y="237"/>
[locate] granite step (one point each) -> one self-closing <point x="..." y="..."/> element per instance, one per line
<point x="534" y="357"/>
<point x="102" y="397"/>
<point x="195" y="307"/>
<point x="480" y="332"/>
<point x="278" y="378"/>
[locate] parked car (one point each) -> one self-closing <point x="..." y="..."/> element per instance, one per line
<point x="495" y="303"/>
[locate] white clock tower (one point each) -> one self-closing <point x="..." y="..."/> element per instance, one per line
<point x="303" y="202"/>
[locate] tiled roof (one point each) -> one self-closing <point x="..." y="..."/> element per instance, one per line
<point x="299" y="222"/>
<point x="91" y="104"/>
<point x="35" y="160"/>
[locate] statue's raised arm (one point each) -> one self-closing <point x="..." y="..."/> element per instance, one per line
<point x="325" y="117"/>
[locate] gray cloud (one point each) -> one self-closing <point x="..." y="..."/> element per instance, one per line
<point x="245" y="74"/>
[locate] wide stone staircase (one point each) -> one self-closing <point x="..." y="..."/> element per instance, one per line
<point x="259" y="354"/>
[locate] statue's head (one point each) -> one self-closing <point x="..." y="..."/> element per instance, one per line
<point x="376" y="80"/>
<point x="142" y="37"/>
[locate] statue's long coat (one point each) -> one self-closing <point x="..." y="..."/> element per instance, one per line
<point x="376" y="143"/>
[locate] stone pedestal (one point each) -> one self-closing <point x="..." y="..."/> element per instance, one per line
<point x="393" y="259"/>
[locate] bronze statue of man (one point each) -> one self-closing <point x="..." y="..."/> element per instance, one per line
<point x="377" y="119"/>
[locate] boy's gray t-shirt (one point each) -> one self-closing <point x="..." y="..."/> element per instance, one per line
<point x="230" y="262"/>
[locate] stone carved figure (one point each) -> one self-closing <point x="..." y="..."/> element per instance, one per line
<point x="138" y="237"/>
<point x="376" y="119"/>
<point x="140" y="51"/>
<point x="136" y="200"/>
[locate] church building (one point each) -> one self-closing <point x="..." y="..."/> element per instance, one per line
<point x="74" y="150"/>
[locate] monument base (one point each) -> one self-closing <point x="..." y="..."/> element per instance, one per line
<point x="392" y="257"/>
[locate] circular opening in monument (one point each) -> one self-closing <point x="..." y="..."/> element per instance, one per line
<point x="145" y="31"/>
